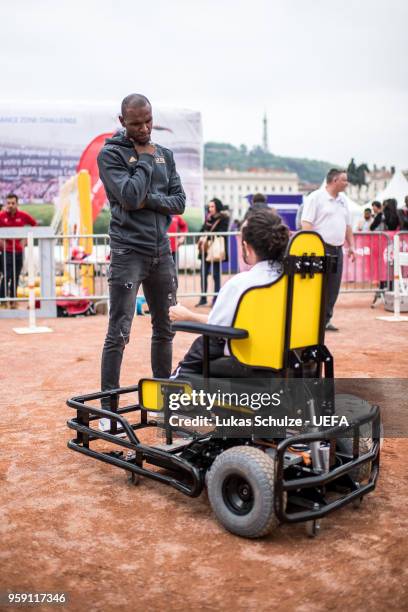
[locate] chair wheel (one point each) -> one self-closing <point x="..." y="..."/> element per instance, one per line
<point x="312" y="528"/>
<point x="133" y="479"/>
<point x="240" y="487"/>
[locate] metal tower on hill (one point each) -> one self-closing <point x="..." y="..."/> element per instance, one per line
<point x="265" y="133"/>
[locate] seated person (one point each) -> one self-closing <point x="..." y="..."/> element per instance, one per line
<point x="264" y="241"/>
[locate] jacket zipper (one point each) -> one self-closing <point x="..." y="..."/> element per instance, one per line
<point x="155" y="219"/>
<point x="157" y="235"/>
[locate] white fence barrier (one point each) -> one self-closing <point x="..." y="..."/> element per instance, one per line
<point x="400" y="291"/>
<point x="32" y="328"/>
<point x="73" y="269"/>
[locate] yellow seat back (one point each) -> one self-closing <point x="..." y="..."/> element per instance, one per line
<point x="263" y="312"/>
<point x="307" y="294"/>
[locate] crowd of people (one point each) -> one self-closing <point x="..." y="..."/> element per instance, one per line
<point x="325" y="211"/>
<point x="385" y="216"/>
<point x="30" y="190"/>
<point x="333" y="222"/>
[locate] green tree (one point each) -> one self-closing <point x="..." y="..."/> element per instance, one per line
<point x="221" y="155"/>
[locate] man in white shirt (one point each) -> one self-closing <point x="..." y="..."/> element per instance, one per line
<point x="326" y="212"/>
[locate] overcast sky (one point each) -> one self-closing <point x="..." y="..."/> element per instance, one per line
<point x="332" y="76"/>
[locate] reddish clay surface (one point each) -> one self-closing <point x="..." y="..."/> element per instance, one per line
<point x="69" y="523"/>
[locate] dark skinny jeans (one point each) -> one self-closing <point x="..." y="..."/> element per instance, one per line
<point x="157" y="275"/>
<point x="206" y="268"/>
<point x="10" y="270"/>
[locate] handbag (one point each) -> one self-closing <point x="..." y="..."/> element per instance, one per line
<point x="202" y="245"/>
<point x="204" y="241"/>
<point x="212" y="248"/>
<point x="216" y="249"/>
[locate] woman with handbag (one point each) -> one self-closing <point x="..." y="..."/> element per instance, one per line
<point x="212" y="250"/>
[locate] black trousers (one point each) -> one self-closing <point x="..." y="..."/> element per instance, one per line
<point x="206" y="268"/>
<point x="11" y="264"/>
<point x="221" y="366"/>
<point x="128" y="270"/>
<point x="334" y="282"/>
<point x="192" y="361"/>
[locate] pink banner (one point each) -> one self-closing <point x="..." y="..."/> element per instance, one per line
<point x="374" y="256"/>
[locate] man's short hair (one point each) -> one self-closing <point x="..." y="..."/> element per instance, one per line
<point x="133" y="99"/>
<point x="10" y="196"/>
<point x="376" y="204"/>
<point x="367" y="210"/>
<point x="258" y="198"/>
<point x="333" y="173"/>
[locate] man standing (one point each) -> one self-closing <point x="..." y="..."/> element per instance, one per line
<point x="364" y="223"/>
<point x="403" y="216"/>
<point x="326" y="212"/>
<point x="13" y="249"/>
<point x="378" y="222"/>
<point x="259" y="202"/>
<point x="144" y="190"/>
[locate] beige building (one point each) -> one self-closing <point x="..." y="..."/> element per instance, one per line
<point x="377" y="180"/>
<point x="231" y="186"/>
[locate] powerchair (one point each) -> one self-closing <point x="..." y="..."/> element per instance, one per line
<point x="255" y="478"/>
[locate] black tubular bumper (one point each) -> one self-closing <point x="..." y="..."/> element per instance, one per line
<point x="181" y="474"/>
<point x="319" y="510"/>
<point x="189" y="480"/>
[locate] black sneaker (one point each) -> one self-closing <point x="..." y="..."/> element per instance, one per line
<point x="331" y="327"/>
<point x="202" y="302"/>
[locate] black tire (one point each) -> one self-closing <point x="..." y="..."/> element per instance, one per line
<point x="349" y="406"/>
<point x="345" y="445"/>
<point x="241" y="491"/>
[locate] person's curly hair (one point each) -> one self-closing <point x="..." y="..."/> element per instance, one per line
<point x="267" y="234"/>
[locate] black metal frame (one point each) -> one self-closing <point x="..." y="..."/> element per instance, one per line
<point x="186" y="474"/>
<point x="321" y="507"/>
<point x="142" y="453"/>
<point x="189" y="478"/>
<point x="296" y="358"/>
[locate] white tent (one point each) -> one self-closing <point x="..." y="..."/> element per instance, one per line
<point x="397" y="188"/>
<point x="356" y="211"/>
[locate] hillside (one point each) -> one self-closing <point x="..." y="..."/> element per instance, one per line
<point x="219" y="155"/>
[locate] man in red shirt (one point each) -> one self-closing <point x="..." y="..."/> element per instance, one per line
<point x="12" y="249"/>
<point x="177" y="226"/>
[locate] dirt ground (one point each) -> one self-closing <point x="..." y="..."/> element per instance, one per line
<point x="69" y="523"/>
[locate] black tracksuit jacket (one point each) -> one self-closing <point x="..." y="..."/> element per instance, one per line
<point x="131" y="179"/>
